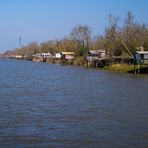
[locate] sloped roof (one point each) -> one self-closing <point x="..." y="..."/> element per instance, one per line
<point x="97" y="51"/>
<point x="142" y="52"/>
<point x="68" y="53"/>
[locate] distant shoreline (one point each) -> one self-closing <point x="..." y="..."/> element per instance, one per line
<point x="123" y="68"/>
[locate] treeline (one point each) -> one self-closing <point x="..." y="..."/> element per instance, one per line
<point x="117" y="40"/>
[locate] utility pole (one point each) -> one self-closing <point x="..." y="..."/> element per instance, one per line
<point x="20" y="42"/>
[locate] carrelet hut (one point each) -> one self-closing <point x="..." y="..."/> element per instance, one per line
<point x="58" y="56"/>
<point x="68" y="55"/>
<point x="141" y="57"/>
<point x="97" y="55"/>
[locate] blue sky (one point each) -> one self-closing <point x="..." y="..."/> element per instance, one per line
<point x="43" y="20"/>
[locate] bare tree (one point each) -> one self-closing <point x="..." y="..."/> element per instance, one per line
<point x="81" y="35"/>
<point x="98" y="43"/>
<point x="112" y="33"/>
<point x="135" y="35"/>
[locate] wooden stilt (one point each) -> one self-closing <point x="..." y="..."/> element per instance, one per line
<point x="135" y="69"/>
<point x="138" y="69"/>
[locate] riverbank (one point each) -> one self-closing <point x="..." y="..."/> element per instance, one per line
<point x="103" y="65"/>
<point x="126" y="68"/>
<point x="80" y="61"/>
<point x="120" y="67"/>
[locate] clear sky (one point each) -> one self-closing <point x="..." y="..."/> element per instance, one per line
<point x="43" y="20"/>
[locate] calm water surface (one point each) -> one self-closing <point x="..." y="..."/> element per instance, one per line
<point x="46" y="105"/>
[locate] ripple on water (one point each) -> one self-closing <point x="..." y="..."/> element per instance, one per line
<point x="47" y="105"/>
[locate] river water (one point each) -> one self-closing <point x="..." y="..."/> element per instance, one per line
<point x="47" y="105"/>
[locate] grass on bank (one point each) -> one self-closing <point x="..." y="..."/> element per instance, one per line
<point x="120" y="67"/>
<point x="127" y="68"/>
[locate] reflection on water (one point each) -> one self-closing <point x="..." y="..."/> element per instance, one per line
<point x="45" y="105"/>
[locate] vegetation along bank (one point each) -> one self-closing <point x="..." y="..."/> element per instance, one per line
<point x="115" y="50"/>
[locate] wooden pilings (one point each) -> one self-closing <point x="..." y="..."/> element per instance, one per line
<point x="137" y="69"/>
